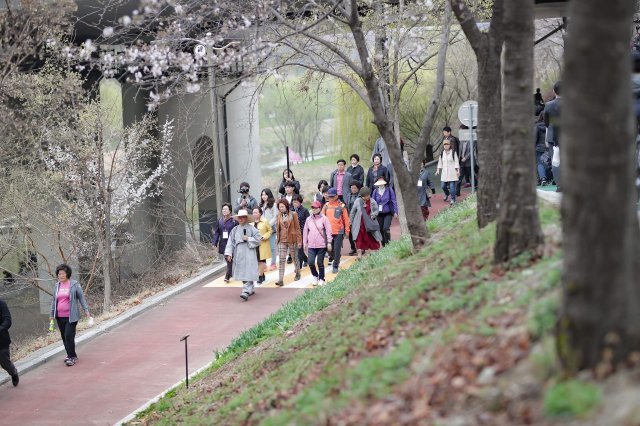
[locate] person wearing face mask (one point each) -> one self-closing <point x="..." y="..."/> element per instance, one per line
<point x="243" y="241"/>
<point x="221" y="236"/>
<point x="385" y="197"/>
<point x="376" y="171"/>
<point x="289" y="239"/>
<point x="365" y="239"/>
<point x="449" y="169"/>
<point x="316" y="239"/>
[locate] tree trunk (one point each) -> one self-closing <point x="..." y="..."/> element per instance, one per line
<point x="518" y="228"/>
<point x="488" y="48"/>
<point x="415" y="222"/>
<point x="599" y="323"/>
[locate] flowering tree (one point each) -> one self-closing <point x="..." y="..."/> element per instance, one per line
<point x="376" y="48"/>
<point x="95" y="173"/>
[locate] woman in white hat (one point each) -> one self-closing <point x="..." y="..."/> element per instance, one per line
<point x="241" y="249"/>
<point x="385" y="198"/>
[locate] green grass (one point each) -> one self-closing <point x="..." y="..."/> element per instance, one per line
<point x="375" y="322"/>
<point x="571" y="398"/>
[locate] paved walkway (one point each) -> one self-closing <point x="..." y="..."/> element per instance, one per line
<point x="120" y="370"/>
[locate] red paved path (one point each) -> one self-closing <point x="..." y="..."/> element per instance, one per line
<point x="122" y="369"/>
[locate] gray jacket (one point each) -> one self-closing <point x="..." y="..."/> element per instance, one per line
<point x="552" y="121"/>
<point x="75" y="295"/>
<point x="355" y="217"/>
<point x="346" y="182"/>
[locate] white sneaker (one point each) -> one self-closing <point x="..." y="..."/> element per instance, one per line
<point x="315" y="281"/>
<point x="321" y="283"/>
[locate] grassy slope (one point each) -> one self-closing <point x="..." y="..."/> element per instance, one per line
<point x="398" y="338"/>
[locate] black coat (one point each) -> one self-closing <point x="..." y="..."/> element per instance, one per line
<point x="357" y="173"/>
<point x="552" y="121"/>
<point x="540" y="132"/>
<point x="5" y="324"/>
<point x="373" y="177"/>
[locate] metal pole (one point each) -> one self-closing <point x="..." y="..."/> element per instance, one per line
<point x="186" y="359"/>
<point x="473" y="169"/>
<point x="213" y="98"/>
<point x="287" y="149"/>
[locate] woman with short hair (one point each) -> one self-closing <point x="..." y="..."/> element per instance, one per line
<point x="65" y="310"/>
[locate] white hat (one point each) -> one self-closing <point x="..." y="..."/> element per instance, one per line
<point x="380" y="181"/>
<point x="242" y="212"/>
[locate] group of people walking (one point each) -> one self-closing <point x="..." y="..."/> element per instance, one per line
<point x="252" y="231"/>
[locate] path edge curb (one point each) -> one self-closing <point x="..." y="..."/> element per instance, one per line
<point x="43" y="355"/>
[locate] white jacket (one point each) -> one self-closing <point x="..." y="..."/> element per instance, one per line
<point x="448" y="166"/>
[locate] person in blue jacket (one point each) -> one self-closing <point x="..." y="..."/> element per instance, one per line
<point x="220" y="237"/>
<point x="385" y="198"/>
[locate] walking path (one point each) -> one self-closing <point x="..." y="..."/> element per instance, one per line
<point x="124" y="367"/>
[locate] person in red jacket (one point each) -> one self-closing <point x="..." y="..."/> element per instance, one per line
<point x="338" y="216"/>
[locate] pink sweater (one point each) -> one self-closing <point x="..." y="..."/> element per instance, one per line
<point x="314" y="231"/>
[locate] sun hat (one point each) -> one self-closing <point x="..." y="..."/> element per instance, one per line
<point x="332" y="192"/>
<point x="380" y="181"/>
<point x="241" y="213"/>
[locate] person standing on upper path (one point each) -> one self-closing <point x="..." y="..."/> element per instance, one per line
<point x="5" y="342"/>
<point x="376" y="171"/>
<point x="64" y="308"/>
<point x="270" y="212"/>
<point x="552" y="122"/>
<point x="449" y="171"/>
<point x="341" y="180"/>
<point x="303" y="214"/>
<point x="263" y="251"/>
<point x="336" y="212"/>
<point x="448" y="136"/>
<point x="356" y="170"/>
<point x="424" y="185"/>
<point x="366" y="239"/>
<point x="385" y="198"/>
<point x="244" y="239"/>
<point x="289" y="239"/>
<point x="221" y="236"/>
<point x="245" y="201"/>
<point x="349" y="201"/>
<point x="323" y="186"/>
<point x="287" y="176"/>
<point x="465" y="164"/>
<point x="317" y="238"/>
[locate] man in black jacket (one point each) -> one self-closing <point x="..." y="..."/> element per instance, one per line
<point x="5" y="341"/>
<point x="552" y="122"/>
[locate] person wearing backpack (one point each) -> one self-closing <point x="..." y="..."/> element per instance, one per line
<point x="449" y="169"/>
<point x="338" y="216"/>
<point x="317" y="238"/>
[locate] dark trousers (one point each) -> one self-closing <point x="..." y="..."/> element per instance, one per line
<point x="384" y="220"/>
<point x="68" y="334"/>
<point x="229" y="269"/>
<point x="351" y="242"/>
<point x="316" y="255"/>
<point x="337" y="249"/>
<point x="425" y="212"/>
<point x="465" y="172"/>
<point x="301" y="256"/>
<point x="5" y="361"/>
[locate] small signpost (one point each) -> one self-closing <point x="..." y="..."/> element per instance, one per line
<point x="468" y="115"/>
<point x="186" y="359"/>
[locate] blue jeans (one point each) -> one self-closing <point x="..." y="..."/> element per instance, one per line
<point x="272" y="244"/>
<point x="317" y="253"/>
<point x="542" y="171"/>
<point x="449" y="188"/>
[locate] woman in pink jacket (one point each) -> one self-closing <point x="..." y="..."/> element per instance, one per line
<point x="317" y="239"/>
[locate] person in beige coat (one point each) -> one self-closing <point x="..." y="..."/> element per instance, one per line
<point x="449" y="171"/>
